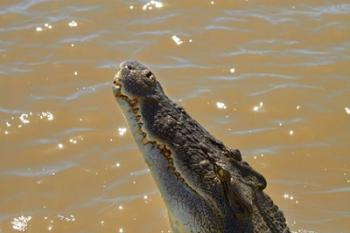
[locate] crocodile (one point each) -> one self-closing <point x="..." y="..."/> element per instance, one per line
<point x="207" y="187"/>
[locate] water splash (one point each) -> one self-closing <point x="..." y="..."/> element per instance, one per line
<point x="149" y="5"/>
<point x="73" y="24"/>
<point x="48" y="115"/>
<point x="21" y="223"/>
<point x="177" y="40"/>
<point x="70" y="218"/>
<point x="24" y="118"/>
<point x="259" y="107"/>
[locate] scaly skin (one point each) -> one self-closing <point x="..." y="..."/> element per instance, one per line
<point x="206" y="186"/>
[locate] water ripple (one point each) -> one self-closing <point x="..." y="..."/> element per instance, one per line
<point x="272" y="150"/>
<point x="344" y="189"/>
<point x="21" y="7"/>
<point x="13" y="69"/>
<point x="41" y="171"/>
<point x="152" y="20"/>
<point x="285" y="86"/>
<point x="267" y="75"/>
<point x="78" y="94"/>
<point x="194" y="94"/>
<point x="332" y="9"/>
<point x="83" y="38"/>
<point x="11" y="111"/>
<point x="226" y="28"/>
<point x="261" y="14"/>
<point x="253" y="131"/>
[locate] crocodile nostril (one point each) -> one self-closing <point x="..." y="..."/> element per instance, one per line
<point x="149" y="74"/>
<point x="129" y="67"/>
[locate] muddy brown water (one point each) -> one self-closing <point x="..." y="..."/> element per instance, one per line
<point x="271" y="78"/>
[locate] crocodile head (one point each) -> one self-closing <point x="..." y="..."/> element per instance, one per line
<point x="205" y="185"/>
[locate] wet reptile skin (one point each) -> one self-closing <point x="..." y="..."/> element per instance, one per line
<point x="206" y="186"/>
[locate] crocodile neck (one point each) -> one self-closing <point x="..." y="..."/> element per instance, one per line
<point x="206" y="186"/>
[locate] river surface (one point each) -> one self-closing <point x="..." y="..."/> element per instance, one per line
<point x="271" y="78"/>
